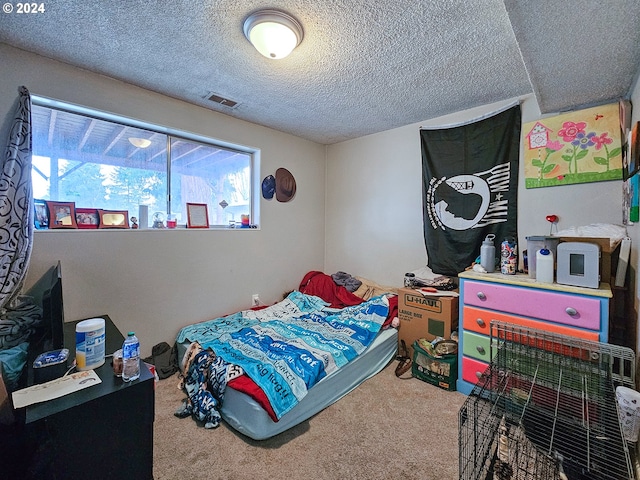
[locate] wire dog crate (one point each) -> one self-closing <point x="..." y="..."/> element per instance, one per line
<point x="546" y="408"/>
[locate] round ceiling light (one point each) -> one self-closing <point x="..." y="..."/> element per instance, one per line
<point x="139" y="142"/>
<point x="273" y="33"/>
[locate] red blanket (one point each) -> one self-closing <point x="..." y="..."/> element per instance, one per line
<point x="322" y="285"/>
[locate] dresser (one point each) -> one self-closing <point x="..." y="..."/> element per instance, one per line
<point x="518" y="299"/>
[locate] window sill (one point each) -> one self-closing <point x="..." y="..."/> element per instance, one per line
<point x="178" y="228"/>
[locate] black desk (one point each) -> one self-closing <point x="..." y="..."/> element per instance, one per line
<point x="101" y="432"/>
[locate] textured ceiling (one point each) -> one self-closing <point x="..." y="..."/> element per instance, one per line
<point x="364" y="66"/>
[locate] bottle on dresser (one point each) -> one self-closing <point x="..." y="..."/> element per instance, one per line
<point x="130" y="358"/>
<point x="508" y="257"/>
<point x="544" y="268"/>
<point x="488" y="254"/>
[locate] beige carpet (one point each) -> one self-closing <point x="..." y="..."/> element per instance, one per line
<point x="385" y="429"/>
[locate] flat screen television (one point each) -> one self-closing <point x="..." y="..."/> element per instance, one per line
<point x="53" y="309"/>
<point x="48" y="292"/>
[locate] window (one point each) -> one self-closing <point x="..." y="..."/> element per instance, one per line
<point x="98" y="160"/>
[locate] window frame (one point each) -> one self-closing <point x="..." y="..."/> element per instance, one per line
<point x="172" y="134"/>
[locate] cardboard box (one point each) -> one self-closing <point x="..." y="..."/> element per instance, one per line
<point x="425" y="316"/>
<point x="608" y="257"/>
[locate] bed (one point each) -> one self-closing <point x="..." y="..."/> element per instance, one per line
<point x="332" y="338"/>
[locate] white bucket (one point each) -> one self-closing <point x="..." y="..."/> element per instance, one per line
<point x="90" y="344"/>
<point x="629" y="408"/>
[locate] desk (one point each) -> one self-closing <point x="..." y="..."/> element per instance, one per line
<point x="101" y="432"/>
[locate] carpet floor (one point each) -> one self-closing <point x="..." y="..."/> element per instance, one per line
<point x="387" y="428"/>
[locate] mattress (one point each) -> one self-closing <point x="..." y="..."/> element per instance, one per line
<point x="245" y="415"/>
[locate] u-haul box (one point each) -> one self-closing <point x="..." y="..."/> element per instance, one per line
<point x="425" y="316"/>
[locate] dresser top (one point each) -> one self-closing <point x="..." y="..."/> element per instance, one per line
<point x="524" y="280"/>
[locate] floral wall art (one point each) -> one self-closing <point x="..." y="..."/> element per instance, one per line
<point x="577" y="147"/>
<point x="631" y="176"/>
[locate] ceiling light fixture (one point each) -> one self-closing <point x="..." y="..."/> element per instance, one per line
<point x="139" y="142"/>
<point x="274" y="33"/>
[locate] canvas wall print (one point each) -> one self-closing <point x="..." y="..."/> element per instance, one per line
<point x="576" y="147"/>
<point x="634" y="150"/>
<point x="634" y="194"/>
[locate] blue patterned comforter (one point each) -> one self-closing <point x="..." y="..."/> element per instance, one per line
<point x="288" y="347"/>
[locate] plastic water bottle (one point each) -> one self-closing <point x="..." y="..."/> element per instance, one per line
<point x="488" y="254"/>
<point x="130" y="358"/>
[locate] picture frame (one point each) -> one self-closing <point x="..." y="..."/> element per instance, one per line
<point x="113" y="219"/>
<point x="634" y="198"/>
<point x="87" y="218"/>
<point x="581" y="146"/>
<point x="62" y="214"/>
<point x="197" y="215"/>
<point x="40" y="214"/>
<point x="634" y="150"/>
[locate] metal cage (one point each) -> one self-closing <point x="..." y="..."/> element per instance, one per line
<point x="546" y="408"/>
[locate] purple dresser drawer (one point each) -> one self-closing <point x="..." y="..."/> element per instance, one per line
<point x="579" y="311"/>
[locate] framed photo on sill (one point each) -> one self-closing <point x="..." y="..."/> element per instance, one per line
<point x="40" y="214"/>
<point x="62" y="214"/>
<point x="113" y="219"/>
<point x="87" y="218"/>
<point x="197" y="215"/>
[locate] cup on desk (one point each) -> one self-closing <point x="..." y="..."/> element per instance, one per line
<point x="117" y="363"/>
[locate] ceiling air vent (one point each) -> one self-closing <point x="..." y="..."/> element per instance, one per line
<point x="221" y="100"/>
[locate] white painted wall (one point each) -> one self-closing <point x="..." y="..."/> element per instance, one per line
<point x="634" y="230"/>
<point x="374" y="201"/>
<point x="374" y="206"/>
<point x="154" y="282"/>
<point x="358" y="208"/>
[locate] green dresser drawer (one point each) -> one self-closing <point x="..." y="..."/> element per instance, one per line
<point x="476" y="346"/>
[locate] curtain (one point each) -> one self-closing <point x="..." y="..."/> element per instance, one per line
<point x="16" y="204"/>
<point x="470" y="187"/>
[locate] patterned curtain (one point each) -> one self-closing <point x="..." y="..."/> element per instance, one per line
<point x="16" y="204"/>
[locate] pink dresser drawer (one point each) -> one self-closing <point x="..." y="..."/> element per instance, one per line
<point x="578" y="311"/>
<point x="472" y="369"/>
